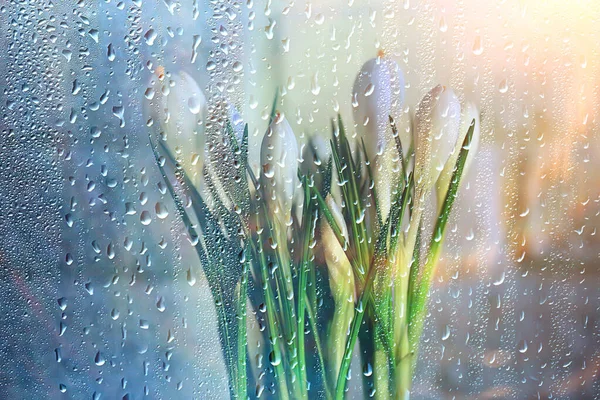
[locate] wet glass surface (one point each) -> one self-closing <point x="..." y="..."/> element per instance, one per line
<point x="122" y="119"/>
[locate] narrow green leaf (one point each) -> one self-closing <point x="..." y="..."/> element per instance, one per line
<point x="308" y="230"/>
<point x="242" y="340"/>
<point x="354" y="329"/>
<point x="398" y="212"/>
<point x="273" y="322"/>
<point x="372" y="186"/>
<point x="222" y="285"/>
<point x="398" y="147"/>
<point x="244" y="147"/>
<point x="274" y="106"/>
<point x="421" y="292"/>
<point x="326" y="188"/>
<point x="414" y="271"/>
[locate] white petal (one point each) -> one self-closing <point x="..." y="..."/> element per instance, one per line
<point x="437" y="121"/>
<point x="279" y="160"/>
<point x="377" y="93"/>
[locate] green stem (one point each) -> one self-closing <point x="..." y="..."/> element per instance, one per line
<point x="290" y="316"/>
<point x="404" y="372"/>
<point x="285" y="296"/>
<point x="242" y="390"/>
<point x="351" y="343"/>
<point x="307" y="227"/>
<point x="274" y="333"/>
<point x="381" y="371"/>
<point x="314" y="327"/>
<point x="283" y="279"/>
<point x="421" y="294"/>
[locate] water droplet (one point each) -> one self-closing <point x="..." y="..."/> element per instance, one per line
<point x="443" y="25"/>
<point x="274" y="358"/>
<point x="194" y="105"/>
<point x="111" y="53"/>
<point x="446" y="332"/>
<point x="500" y="281"/>
<point x="191" y="279"/>
<point x="149" y="93"/>
<point x="195" y="44"/>
<point x="211" y="66"/>
<point x="161" y="211"/>
<point x="314" y="85"/>
<point x="477" y="46"/>
<point x="523" y="346"/>
<point x="119" y="111"/>
<point x="268" y="171"/>
<point x="150" y="36"/>
<point x="99" y="360"/>
<point x="62" y="303"/>
<point x="160" y="304"/>
<point x="110" y="251"/>
<point x="269" y="28"/>
<point x="145" y="218"/>
<point x="503" y="86"/>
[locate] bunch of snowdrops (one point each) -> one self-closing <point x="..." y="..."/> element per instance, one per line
<point x="317" y="255"/>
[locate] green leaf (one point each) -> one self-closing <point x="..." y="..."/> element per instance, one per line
<point x="326" y="188"/>
<point x="244" y="148"/>
<point x="359" y="314"/>
<point x="398" y="147"/>
<point x="308" y="220"/>
<point x="274" y="106"/>
<point x="414" y="271"/>
<point x="214" y="253"/>
<point x="421" y="291"/>
<point x="371" y="186"/>
<point x="242" y="339"/>
<point x="398" y="212"/>
<point x="353" y="209"/>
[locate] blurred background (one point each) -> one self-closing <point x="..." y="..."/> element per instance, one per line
<point x="102" y="292"/>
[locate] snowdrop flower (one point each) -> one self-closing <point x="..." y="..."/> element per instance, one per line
<point x="378" y="92"/>
<point x="437" y="120"/>
<point x="179" y="106"/>
<point x="470" y="113"/>
<point x="279" y="161"/>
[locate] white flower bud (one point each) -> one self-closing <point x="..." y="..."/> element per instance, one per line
<point x="279" y="161"/>
<point x="437" y="120"/>
<point x="182" y="107"/>
<point x="179" y="106"/>
<point x="378" y="92"/>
